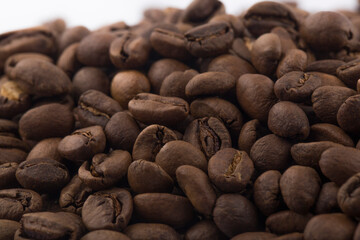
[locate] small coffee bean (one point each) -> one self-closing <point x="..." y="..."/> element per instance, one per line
<point x="250" y="133"/>
<point x="348" y="113"/>
<point x="46" y="148"/>
<point x="348" y="73"/>
<point x="110" y="209"/>
<point x="8" y="128"/>
<point x="13" y="60"/>
<point x="68" y="61"/>
<point x="348" y="197"/>
<point x="174" y="84"/>
<point x="329" y="132"/>
<point x="104" y="235"/>
<point x="327" y="199"/>
<point x="205" y="229"/>
<point x="286" y="36"/>
<point x="7" y="175"/>
<point x="200" y="11"/>
<point x="148" y="231"/>
<point x="8" y="229"/>
<point x="328" y="66"/>
<point x="254" y="236"/>
<point x="294" y="60"/>
<point x="72" y="35"/>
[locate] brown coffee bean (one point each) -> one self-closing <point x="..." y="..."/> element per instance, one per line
<point x="330" y="227"/>
<point x="286" y="39"/>
<point x="270" y="153"/>
<point x="235" y="23"/>
<point x="68" y="61"/>
<point x="357" y="232"/>
<point x="105" y="170"/>
<point x="90" y="78"/>
<point x="254" y="236"/>
<point x="348" y="197"/>
<point x="288" y="120"/>
<point x="13" y="60"/>
<point x="8" y="229"/>
<point x="127" y="84"/>
<point x="294" y="60"/>
<point x="266" y="53"/>
<point x="50" y="225"/>
<point x="104" y="235"/>
<point x="234" y="214"/>
<point x="109" y="209"/>
<point x="121" y="131"/>
<point x="144" y="176"/>
<point x="255" y="95"/>
<point x="50" y="120"/>
<point x="15" y="202"/>
<point x="231" y="170"/>
<point x="93" y="49"/>
<point x="209" y="39"/>
<point x="149" y="231"/>
<point x="231" y="64"/>
<point x="7" y="175"/>
<point x="154" y="109"/>
<point x="96" y="108"/>
<point x="72" y="35"/>
<point x="200" y="11"/>
<point x="8" y="128"/>
<point x="348" y="113"/>
<point x="250" y="133"/>
<point x="83" y="144"/>
<point x="291" y="236"/>
<point x="175" y="83"/>
<point x="241" y="48"/>
<point x="73" y="195"/>
<point x="287" y="222"/>
<point x="349" y="72"/>
<point x="308" y="154"/>
<point x="328" y="66"/>
<point x="300" y="187"/>
<point x="46" y="148"/>
<point x="165" y="208"/>
<point x="42" y="175"/>
<point x="329" y="132"/>
<point x="210" y="83"/>
<point x="208" y="134"/>
<point x="327" y="199"/>
<point x="267" y="192"/>
<point x="204" y="229"/>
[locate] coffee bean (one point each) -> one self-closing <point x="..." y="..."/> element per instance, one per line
<point x="348" y="113"/>
<point x="348" y="73"/>
<point x="15" y="202"/>
<point x="148" y="231"/>
<point x="109" y="209"/>
<point x="46" y="148"/>
<point x="254" y="235"/>
<point x="72" y="35"/>
<point x="287" y="40"/>
<point x="7" y="175"/>
<point x="42" y="175"/>
<point x="294" y="60"/>
<point x="287" y="222"/>
<point x="204" y="229"/>
<point x="8" y="128"/>
<point x="13" y="60"/>
<point x="327" y="199"/>
<point x="250" y="133"/>
<point x="200" y="11"/>
<point x="104" y="235"/>
<point x="328" y="66"/>
<point x="174" y="84"/>
<point x="165" y="208"/>
<point x="329" y="132"/>
<point x="8" y="229"/>
<point x="348" y="198"/>
<point x="68" y="61"/>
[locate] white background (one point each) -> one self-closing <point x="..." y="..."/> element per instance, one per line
<point x="16" y="14"/>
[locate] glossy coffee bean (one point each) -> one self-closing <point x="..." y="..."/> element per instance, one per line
<point x="348" y="73"/>
<point x="200" y="11"/>
<point x="348" y="197"/>
<point x="175" y="83"/>
<point x="110" y="209"/>
<point x="287" y="222"/>
<point x="46" y="148"/>
<point x="250" y="133"/>
<point x="15" y="202"/>
<point x="328" y="66"/>
<point x="347" y="114"/>
<point x="13" y="60"/>
<point x="327" y="199"/>
<point x="148" y="231"/>
<point x="329" y="132"/>
<point x="294" y="60"/>
<point x="42" y="175"/>
<point x="104" y="235"/>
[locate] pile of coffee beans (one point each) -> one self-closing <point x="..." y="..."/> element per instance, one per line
<point x="193" y="124"/>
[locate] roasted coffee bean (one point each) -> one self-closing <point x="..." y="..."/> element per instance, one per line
<point x="241" y="48"/>
<point x="291" y="236"/>
<point x="308" y="154"/>
<point x="96" y="108"/>
<point x="294" y="60"/>
<point x="204" y="229"/>
<point x="8" y="128"/>
<point x="200" y="11"/>
<point x="349" y="72"/>
<point x="177" y="153"/>
<point x="127" y="84"/>
<point x="83" y="144"/>
<point x="231" y="64"/>
<point x="145" y="176"/>
<point x="165" y="208"/>
<point x="286" y="40"/>
<point x="49" y="225"/>
<point x="121" y="131"/>
<point x="263" y="16"/>
<point x="330" y="227"/>
<point x="348" y="197"/>
<point x="231" y="170"/>
<point x="90" y="78"/>
<point x="8" y="229"/>
<point x="46" y="148"/>
<point x="208" y="134"/>
<point x="287" y="222"/>
<point x="327" y="100"/>
<point x="234" y="214"/>
<point x="104" y="171"/>
<point x="149" y="231"/>
<point x="266" y="53"/>
<point x="38" y="40"/>
<point x="348" y="113"/>
<point x="267" y="196"/>
<point x="50" y="120"/>
<point x="72" y="35"/>
<point x="288" y="120"/>
<point x="68" y="61"/>
<point x="209" y="39"/>
<point x="162" y="68"/>
<point x="42" y="175"/>
<point x="93" y="49"/>
<point x="150" y="141"/>
<point x="129" y="51"/>
<point x="270" y="153"/>
<point x="73" y="195"/>
<point x="328" y="66"/>
<point x="110" y="209"/>
<point x="13" y="60"/>
<point x="7" y="175"/>
<point x="197" y="187"/>
<point x="15" y="202"/>
<point x="104" y="235"/>
<point x="255" y="95"/>
<point x="329" y="132"/>
<point x="327" y="199"/>
<point x="175" y="83"/>
<point x="254" y="236"/>
<point x="300" y="187"/>
<point x="235" y="23"/>
<point x="250" y="133"/>
<point x="154" y="109"/>
<point x="221" y="109"/>
<point x="210" y="83"/>
<point x="357" y="232"/>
